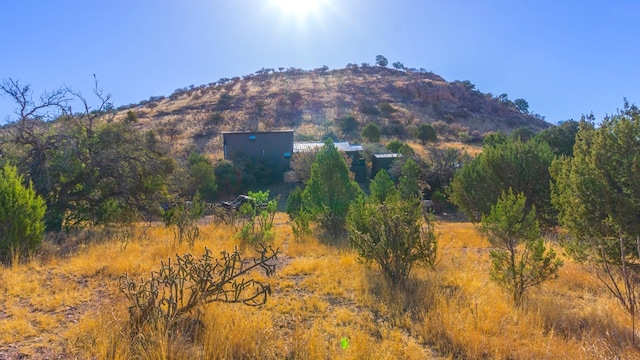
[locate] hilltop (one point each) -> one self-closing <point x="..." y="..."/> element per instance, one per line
<point x="324" y="102"/>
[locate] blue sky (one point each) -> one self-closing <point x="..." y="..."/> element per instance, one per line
<point x="566" y="58"/>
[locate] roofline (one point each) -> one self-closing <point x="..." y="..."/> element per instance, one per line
<point x="256" y="132"/>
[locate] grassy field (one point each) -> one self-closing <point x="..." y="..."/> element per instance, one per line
<point x="325" y="304"/>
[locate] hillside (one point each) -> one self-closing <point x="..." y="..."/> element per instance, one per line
<point x="320" y="102"/>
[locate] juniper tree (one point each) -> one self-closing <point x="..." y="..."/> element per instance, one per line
<point x="21" y="216"/>
<point x="519" y="259"/>
<point x="597" y="192"/>
<point x="330" y="190"/>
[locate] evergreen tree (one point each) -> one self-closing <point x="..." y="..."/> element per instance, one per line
<point x="21" y="216"/>
<point x="330" y="190"/>
<point x="425" y="133"/>
<point x="523" y="167"/>
<point x="202" y="177"/>
<point x="382" y="187"/>
<point x="409" y="186"/>
<point x="597" y="193"/>
<point x="519" y="259"/>
<point x="371" y="133"/>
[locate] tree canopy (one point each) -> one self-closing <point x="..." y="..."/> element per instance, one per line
<point x="371" y="133"/>
<point x="87" y="167"/>
<point x="330" y="190"/>
<point x="562" y="137"/>
<point x="523" y="167"/>
<point x="425" y="133"/>
<point x="381" y="61"/>
<point x="597" y="192"/>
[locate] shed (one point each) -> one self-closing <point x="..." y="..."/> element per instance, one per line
<point x="382" y="161"/>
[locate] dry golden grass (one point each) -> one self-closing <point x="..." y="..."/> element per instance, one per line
<point x="70" y="306"/>
<point x="472" y="150"/>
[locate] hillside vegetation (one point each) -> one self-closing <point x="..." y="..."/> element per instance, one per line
<point x="321" y="102"/>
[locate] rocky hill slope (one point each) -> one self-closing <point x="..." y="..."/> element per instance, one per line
<point x="320" y="102"/>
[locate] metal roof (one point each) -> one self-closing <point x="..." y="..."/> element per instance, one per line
<point x="257" y="132"/>
<point x="316" y="146"/>
<point x="386" y="156"/>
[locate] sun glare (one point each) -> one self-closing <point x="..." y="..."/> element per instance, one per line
<point x="299" y="8"/>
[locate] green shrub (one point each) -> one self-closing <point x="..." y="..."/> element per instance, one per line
<point x="21" y="216"/>
<point x="348" y="124"/>
<point x="371" y="133"/>
<point x="395" y="145"/>
<point x="515" y="267"/>
<point x="425" y="133"/>
<point x="392" y="235"/>
<point x="294" y="202"/>
<point x="386" y="110"/>
<point x="184" y="217"/>
<point x="258" y="217"/>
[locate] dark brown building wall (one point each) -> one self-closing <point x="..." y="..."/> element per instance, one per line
<point x="273" y="148"/>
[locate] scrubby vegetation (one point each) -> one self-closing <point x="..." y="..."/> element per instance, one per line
<point x="320" y="295"/>
<point x="347" y="283"/>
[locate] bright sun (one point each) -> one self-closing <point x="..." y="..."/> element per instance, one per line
<point x="299" y="8"/>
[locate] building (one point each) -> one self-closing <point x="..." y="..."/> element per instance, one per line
<point x="382" y="161"/>
<point x="272" y="148"/>
<point x="317" y="146"/>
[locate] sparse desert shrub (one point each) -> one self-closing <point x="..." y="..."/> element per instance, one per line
<point x="386" y="110"/>
<point x="301" y="224"/>
<point x="294" y="202"/>
<point x="394" y="128"/>
<point x="301" y="163"/>
<point x="425" y="133"/>
<point x="167" y="301"/>
<point x="522" y="134"/>
<point x="184" y="218"/>
<point x="391" y="228"/>
<point x="441" y="127"/>
<point x="368" y="109"/>
<point x="131" y="116"/>
<point x="348" y="124"/>
<point x="224" y="101"/>
<point x="201" y="177"/>
<point x="215" y="119"/>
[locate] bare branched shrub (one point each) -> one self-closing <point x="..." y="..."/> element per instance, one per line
<point x="172" y="294"/>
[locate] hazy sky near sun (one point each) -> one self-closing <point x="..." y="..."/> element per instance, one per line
<point x="565" y="57"/>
